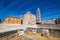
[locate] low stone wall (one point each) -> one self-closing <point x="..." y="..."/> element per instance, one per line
<point x="7" y="33"/>
<point x="54" y="32"/>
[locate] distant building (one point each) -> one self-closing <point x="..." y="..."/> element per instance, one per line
<point x="12" y="20"/>
<point x="57" y="21"/>
<point x="29" y="18"/>
<point x="48" y="21"/>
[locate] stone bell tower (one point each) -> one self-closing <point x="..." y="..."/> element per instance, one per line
<point x="38" y="16"/>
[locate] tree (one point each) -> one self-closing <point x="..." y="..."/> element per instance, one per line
<point x="0" y="20"/>
<point x="57" y="21"/>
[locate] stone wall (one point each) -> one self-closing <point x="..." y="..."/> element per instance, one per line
<point x="54" y="32"/>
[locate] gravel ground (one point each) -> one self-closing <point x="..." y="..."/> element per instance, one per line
<point x="13" y="35"/>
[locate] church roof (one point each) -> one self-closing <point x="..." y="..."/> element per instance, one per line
<point x="28" y="12"/>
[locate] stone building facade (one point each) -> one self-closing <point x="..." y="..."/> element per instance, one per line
<point x="12" y="20"/>
<point x="26" y="19"/>
<point x="29" y="19"/>
<point x="48" y="21"/>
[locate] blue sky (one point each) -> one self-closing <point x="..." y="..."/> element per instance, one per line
<point x="48" y="8"/>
